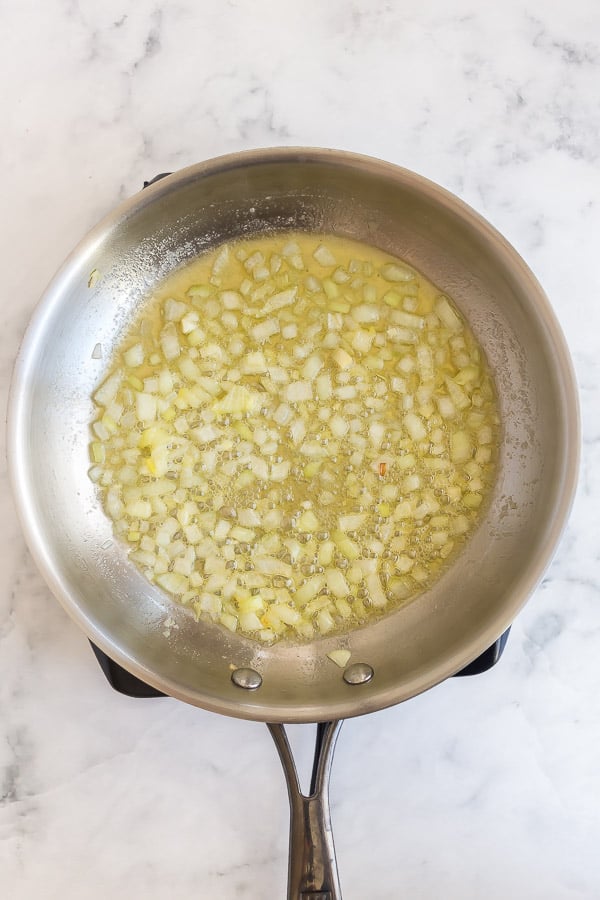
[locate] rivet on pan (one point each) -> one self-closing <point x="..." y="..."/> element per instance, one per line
<point x="358" y="673"/>
<point x="247" y="679"/>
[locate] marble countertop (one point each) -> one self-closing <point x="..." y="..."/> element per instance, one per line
<point x="483" y="787"/>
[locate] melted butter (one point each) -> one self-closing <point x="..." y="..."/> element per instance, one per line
<point x="336" y="506"/>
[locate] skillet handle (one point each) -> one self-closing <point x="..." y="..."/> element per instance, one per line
<point x="312" y="873"/>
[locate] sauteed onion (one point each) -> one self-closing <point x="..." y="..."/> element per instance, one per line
<point x="296" y="434"/>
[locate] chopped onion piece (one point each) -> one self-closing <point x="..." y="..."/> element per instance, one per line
<point x="174" y="310"/>
<point x="169" y="342"/>
<point x="394" y="272"/>
<point x="249" y="621"/>
<point x="282" y="414"/>
<point x="447" y="315"/>
<point x="248" y="517"/>
<point x="312" y="367"/>
<point x="108" y="390"/>
<point x="461" y="448"/>
<point x="237" y="400"/>
<point x="280" y="471"/>
<point x="134" y="356"/>
<point x="362" y="341"/>
<point x="324" y="256"/>
<point x="340" y="657"/>
<point x="352" y="522"/>
<point x="366" y="313"/>
<point x="297" y="431"/>
<point x="414" y="426"/>
<point x="336" y="583"/>
<point x="376" y="433"/>
<point x="290" y="331"/>
<point x="298" y="391"/>
<point x="409" y="320"/>
<point x="264" y="330"/>
<point x="342" y="358"/>
<point x="308" y="521"/>
<point x="146" y="407"/>
<point x="254" y="363"/>
<point x="279" y="300"/>
<point x="221" y="261"/>
<point x="376" y="593"/>
<point x="324" y="621"/>
<point x="323" y="387"/>
<point x="172" y="582"/>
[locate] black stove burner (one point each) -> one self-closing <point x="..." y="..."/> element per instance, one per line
<point x="125" y="683"/>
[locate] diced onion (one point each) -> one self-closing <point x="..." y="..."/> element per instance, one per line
<point x="447" y="315"/>
<point x="394" y="272"/>
<point x="298" y="391"/>
<point x="296" y="441"/>
<point x="414" y="426"/>
<point x="340" y="657"/>
<point x="324" y="256"/>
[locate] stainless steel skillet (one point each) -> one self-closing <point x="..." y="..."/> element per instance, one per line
<point x="410" y="650"/>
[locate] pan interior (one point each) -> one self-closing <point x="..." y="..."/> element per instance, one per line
<point x="171" y="223"/>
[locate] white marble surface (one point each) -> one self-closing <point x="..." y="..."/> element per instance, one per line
<point x="485" y="787"/>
